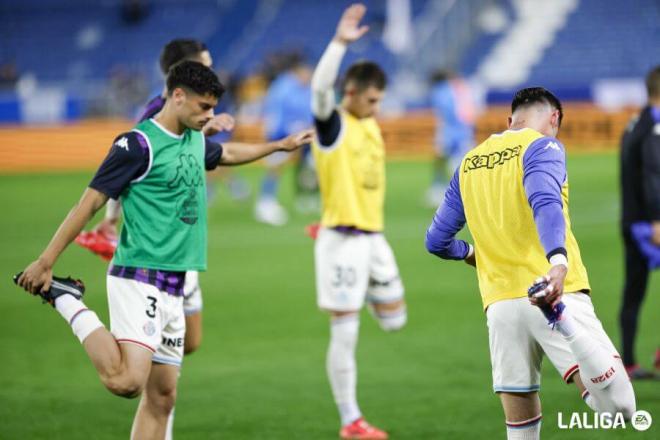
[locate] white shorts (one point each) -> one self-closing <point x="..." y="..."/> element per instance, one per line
<point x="192" y="294"/>
<point x="353" y="267"/>
<point x="519" y="336"/>
<point x="143" y="315"/>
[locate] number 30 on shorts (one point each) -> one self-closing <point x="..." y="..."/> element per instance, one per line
<point x="151" y="310"/>
<point x="344" y="276"/>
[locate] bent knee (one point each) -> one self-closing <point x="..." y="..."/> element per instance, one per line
<point x="391" y="319"/>
<point x="163" y="399"/>
<point x="123" y="387"/>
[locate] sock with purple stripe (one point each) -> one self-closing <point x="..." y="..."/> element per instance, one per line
<point x="82" y="320"/>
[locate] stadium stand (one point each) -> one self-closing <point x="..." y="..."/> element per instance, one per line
<point x="588" y="40"/>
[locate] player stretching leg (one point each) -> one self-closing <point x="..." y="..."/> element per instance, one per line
<point x="512" y="191"/>
<point x="157" y="170"/>
<point x="353" y="260"/>
<point x="174" y="52"/>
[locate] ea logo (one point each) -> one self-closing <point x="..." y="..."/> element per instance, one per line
<point x="641" y="420"/>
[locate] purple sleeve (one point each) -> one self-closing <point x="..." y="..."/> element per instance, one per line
<point x="544" y="174"/>
<point x="447" y="221"/>
<point x="212" y="154"/>
<point x="152" y="108"/>
<point x="127" y="160"/>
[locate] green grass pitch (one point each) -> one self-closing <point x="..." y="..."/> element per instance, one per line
<point x="260" y="373"/>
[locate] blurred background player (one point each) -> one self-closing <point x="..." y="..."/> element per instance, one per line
<point x="453" y="105"/>
<point x="286" y="110"/>
<point x="510" y="190"/>
<point x="353" y="261"/>
<point x="640" y="192"/>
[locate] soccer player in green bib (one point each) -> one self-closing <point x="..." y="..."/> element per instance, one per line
<point x="157" y="171"/>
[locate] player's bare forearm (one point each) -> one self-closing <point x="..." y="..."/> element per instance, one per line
<point x="238" y="153"/>
<point x="38" y="275"/>
<point x="90" y="202"/>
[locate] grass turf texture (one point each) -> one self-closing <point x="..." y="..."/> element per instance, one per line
<point x="260" y="373"/>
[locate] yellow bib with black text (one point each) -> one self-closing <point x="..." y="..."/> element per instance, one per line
<point x="351" y="175"/>
<point x="508" y="250"/>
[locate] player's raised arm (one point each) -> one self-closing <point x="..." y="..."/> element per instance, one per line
<point x="325" y="74"/>
<point x="448" y="220"/>
<point x="237" y="153"/>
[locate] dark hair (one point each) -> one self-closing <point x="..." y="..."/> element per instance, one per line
<point x="653" y="82"/>
<point x="179" y="50"/>
<point x="365" y="74"/>
<point x="534" y="95"/>
<point x="194" y="76"/>
<point x="442" y="75"/>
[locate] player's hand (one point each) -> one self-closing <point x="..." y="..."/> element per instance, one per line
<point x="37" y="276"/>
<point x="555" y="289"/>
<point x="297" y="140"/>
<point x="348" y="28"/>
<point x="655" y="237"/>
<point x="107" y="227"/>
<point x="221" y="122"/>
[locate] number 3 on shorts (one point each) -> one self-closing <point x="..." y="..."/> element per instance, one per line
<point x="151" y="311"/>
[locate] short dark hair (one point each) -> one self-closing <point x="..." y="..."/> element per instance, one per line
<point x="194" y="76"/>
<point x="179" y="50"/>
<point x="653" y="82"/>
<point x="533" y="95"/>
<point x="365" y="74"/>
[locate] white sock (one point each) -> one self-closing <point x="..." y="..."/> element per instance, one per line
<point x="617" y="396"/>
<point x="82" y="320"/>
<point x="590" y="401"/>
<point x="525" y="430"/>
<point x="567" y="325"/>
<point x="170" y="426"/>
<point x="341" y="367"/>
<point x="391" y="320"/>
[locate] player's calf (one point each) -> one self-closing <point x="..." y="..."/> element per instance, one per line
<point x="390" y="316"/>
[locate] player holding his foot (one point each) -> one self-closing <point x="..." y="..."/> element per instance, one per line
<point x="103" y="239"/>
<point x="157" y="171"/>
<point x="353" y="260"/>
<point x="512" y="191"/>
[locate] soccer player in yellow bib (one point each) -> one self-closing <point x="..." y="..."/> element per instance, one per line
<point x="512" y="190"/>
<point x="353" y="260"/>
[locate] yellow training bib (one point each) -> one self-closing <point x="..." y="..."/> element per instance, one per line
<point x="351" y="175"/>
<point x="508" y="250"/>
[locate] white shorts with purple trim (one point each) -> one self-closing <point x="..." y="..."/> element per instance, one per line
<point x="143" y="315"/>
<point x="519" y="337"/>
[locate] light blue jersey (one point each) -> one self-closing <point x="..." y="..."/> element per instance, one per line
<point x="286" y="107"/>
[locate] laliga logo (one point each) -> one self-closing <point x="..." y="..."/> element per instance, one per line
<point x="640" y="420"/>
